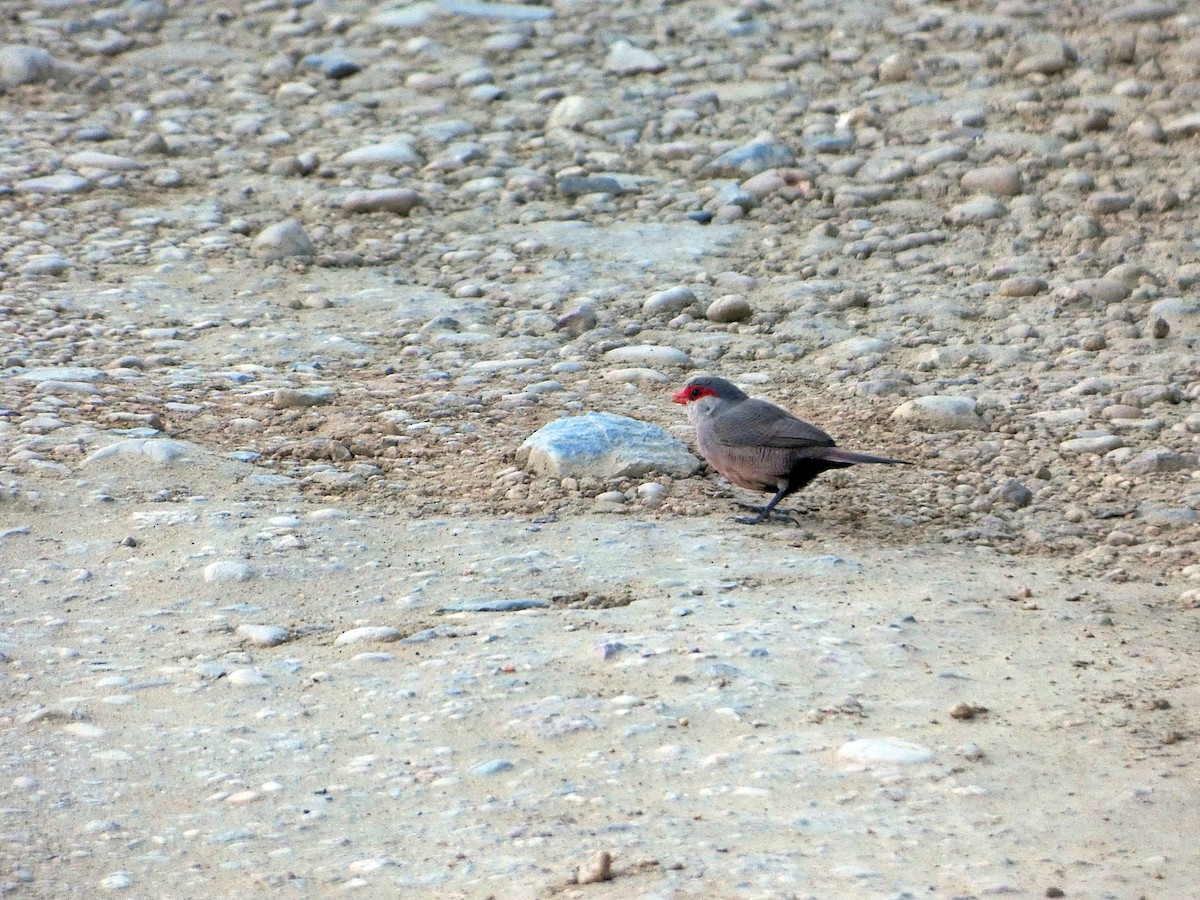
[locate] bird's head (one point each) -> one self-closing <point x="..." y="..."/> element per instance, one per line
<point x="707" y="386"/>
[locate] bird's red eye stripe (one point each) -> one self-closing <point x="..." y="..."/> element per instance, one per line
<point x="690" y="392"/>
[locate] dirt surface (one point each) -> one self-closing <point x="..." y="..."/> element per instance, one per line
<point x="958" y="234"/>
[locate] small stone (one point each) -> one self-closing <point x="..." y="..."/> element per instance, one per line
<point x="574" y="112"/>
<point x="998" y="181"/>
<point x="730" y="308"/>
<point x="1160" y="459"/>
<point x="492" y="767"/>
<point x="394" y="153"/>
<point x="117" y="881"/>
<point x="1106" y="204"/>
<point x="281" y="240"/>
<point x="227" y="570"/>
<point x="753" y="158"/>
<point x="263" y="635"/>
<point x="935" y="413"/>
<point x="650" y="355"/>
<point x="45" y="264"/>
<point x="1101" y="290"/>
<point x="160" y="451"/>
<point x="966" y="711"/>
<point x="885" y="751"/>
<point x="20" y="64"/>
<point x="896" y="67"/>
<point x="400" y="201"/>
<point x="1160" y="329"/>
<point x="625" y="59"/>
<point x="670" y="302"/>
<point x="975" y="211"/>
<point x="287" y="398"/>
<point x="58" y="183"/>
<point x="1022" y="286"/>
<point x="334" y="65"/>
<point x="579" y="185"/>
<point x="596" y="869"/>
<point x="1099" y="444"/>
<point x="373" y="634"/>
<point x="1013" y="493"/>
<point x="91" y="159"/>
<point x="248" y="677"/>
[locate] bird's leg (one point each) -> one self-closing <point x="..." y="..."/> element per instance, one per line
<point x="766" y="510"/>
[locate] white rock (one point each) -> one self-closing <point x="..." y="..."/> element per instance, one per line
<point x="227" y="570"/>
<point x="248" y="677"/>
<point x="603" y="445"/>
<point x="263" y="635"/>
<point x="670" y="302"/>
<point x="625" y="59"/>
<point x="885" y="750"/>
<point x="379" y="634"/>
<point x="91" y="159"/>
<point x="574" y="111"/>
<point x="393" y="153"/>
<point x="161" y="451"/>
<point x="939" y="413"/>
<point x="649" y="356"/>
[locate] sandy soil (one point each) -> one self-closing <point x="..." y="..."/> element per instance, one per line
<point x="281" y="614"/>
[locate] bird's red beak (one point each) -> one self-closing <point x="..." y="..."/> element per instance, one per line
<point x="681" y="396"/>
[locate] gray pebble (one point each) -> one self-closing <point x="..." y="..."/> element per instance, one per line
<point x="752" y="158"/>
<point x="625" y="59"/>
<point x="285" y="398"/>
<point x="670" y="302"/>
<point x="400" y="201"/>
<point x="730" y="308"/>
<point x="283" y="239"/>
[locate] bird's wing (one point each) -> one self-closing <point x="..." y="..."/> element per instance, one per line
<point x="757" y="423"/>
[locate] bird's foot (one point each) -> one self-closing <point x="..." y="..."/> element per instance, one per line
<point x="778" y="515"/>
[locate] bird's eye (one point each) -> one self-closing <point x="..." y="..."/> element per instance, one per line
<point x="694" y="393"/>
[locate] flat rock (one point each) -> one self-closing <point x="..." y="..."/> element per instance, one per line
<point x="392" y="153"/>
<point x="505" y="605"/>
<point x="1098" y="444"/>
<point x="975" y="211"/>
<point x="752" y="158"/>
<point x="228" y="570"/>
<point x="58" y="183"/>
<point x="649" y="355"/>
<point x="885" y="751"/>
<point x="604" y="445"/>
<point x="369" y="634"/>
<point x="1160" y="459"/>
<point x="997" y="181"/>
<point x="937" y="413"/>
<point x="400" y="201"/>
<point x="263" y="635"/>
<point x="160" y="451"/>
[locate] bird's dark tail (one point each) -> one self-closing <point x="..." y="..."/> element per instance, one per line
<point x="842" y="457"/>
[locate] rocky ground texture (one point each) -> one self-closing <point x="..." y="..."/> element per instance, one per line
<point x="285" y="286"/>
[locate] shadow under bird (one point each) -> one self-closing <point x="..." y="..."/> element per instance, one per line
<point x="759" y="446"/>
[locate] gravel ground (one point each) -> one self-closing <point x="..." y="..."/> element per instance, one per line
<point x="283" y="287"/>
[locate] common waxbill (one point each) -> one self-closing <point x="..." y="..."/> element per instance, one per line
<point x="757" y="445"/>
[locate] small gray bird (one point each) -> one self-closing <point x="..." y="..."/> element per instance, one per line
<point x="759" y="446"/>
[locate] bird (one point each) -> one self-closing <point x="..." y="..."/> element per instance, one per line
<point x="758" y="445"/>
